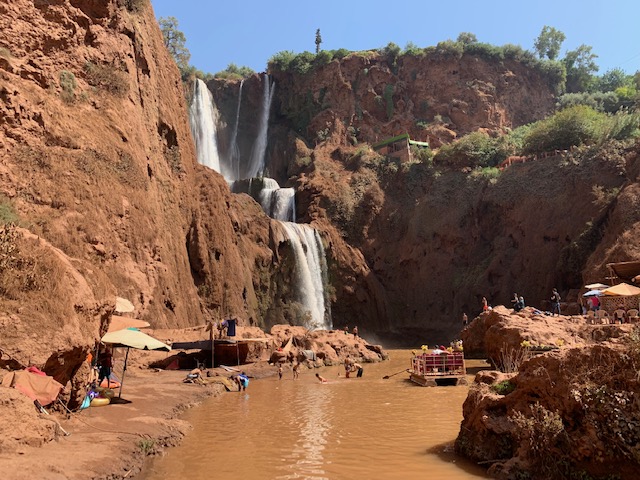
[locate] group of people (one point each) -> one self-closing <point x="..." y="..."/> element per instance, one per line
<point x="354" y="331"/>
<point x="295" y="368"/>
<point x="518" y="302"/>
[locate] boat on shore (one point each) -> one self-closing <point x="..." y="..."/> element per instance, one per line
<point x="438" y="368"/>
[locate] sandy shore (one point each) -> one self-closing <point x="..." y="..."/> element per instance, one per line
<point x="112" y="442"/>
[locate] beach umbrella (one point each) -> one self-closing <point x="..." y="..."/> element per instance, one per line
<point x="623" y="289"/>
<point x="132" y="338"/>
<point x="120" y="323"/>
<point x="123" y="305"/>
<point x="596" y="286"/>
<point x="593" y="293"/>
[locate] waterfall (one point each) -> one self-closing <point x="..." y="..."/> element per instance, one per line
<point x="256" y="166"/>
<point x="278" y="203"/>
<point x="203" y="116"/>
<point x="231" y="170"/>
<point x="311" y="272"/>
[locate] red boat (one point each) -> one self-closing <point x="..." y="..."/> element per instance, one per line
<point x="435" y="368"/>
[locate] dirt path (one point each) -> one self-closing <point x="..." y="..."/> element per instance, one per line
<point x="111" y="442"/>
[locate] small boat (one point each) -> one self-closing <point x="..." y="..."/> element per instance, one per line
<point x="437" y="368"/>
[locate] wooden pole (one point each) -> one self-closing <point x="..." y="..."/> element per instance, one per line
<point x="126" y="357"/>
<point x="211" y="337"/>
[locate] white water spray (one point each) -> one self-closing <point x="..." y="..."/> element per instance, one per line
<point x="256" y="165"/>
<point x="311" y="272"/>
<point x="203" y="117"/>
<point x="231" y="168"/>
<point x="278" y="203"/>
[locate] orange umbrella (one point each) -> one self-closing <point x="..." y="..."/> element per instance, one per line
<point x="623" y="289"/>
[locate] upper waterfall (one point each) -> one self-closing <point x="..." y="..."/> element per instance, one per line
<point x="257" y="164"/>
<point x="203" y="116"/>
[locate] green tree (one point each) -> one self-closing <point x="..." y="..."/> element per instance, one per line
<point x="175" y="42"/>
<point x="614" y="79"/>
<point x="318" y="41"/>
<point x="581" y="66"/>
<point x="466" y="38"/>
<point x="549" y="42"/>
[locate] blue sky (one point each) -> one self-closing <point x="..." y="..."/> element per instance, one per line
<point x="249" y="32"/>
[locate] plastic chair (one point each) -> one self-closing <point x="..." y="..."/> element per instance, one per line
<point x="591" y="317"/>
<point x="632" y="315"/>
<point x="602" y="316"/>
<point x="619" y="316"/>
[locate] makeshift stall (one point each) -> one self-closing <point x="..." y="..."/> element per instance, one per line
<point x="132" y="338"/>
<point x="620" y="297"/>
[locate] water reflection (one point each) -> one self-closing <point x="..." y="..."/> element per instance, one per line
<point x="353" y="428"/>
<point x="306" y="457"/>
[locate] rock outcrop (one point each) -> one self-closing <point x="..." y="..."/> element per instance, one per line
<point x="565" y="411"/>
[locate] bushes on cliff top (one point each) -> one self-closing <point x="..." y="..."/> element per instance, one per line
<point x="474" y="149"/>
<point x="234" y="72"/>
<point x="301" y="63"/>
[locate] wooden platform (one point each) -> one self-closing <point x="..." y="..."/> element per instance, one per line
<point x="438" y="380"/>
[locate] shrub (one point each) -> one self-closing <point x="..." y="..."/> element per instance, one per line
<point x="391" y="53"/>
<point x="340" y="53"/>
<point x="323" y="57"/>
<point x="68" y="85"/>
<point x="621" y="126"/>
<point x="234" y="72"/>
<point x="422" y="154"/>
<point x="474" y="149"/>
<point x="450" y="48"/>
<point x="504" y="387"/>
<point x="133" y="5"/>
<point x="147" y="446"/>
<point x="7" y="211"/>
<point x="570" y="127"/>
<point x="413" y="50"/>
<point x="107" y="77"/>
<point x="539" y="430"/>
<point x="600" y="101"/>
<point x="281" y="61"/>
<point x="302" y="63"/>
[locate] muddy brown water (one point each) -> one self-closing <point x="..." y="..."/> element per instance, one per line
<point x="356" y="428"/>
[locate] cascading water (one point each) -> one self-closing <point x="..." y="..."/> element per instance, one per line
<point x="278" y="203"/>
<point x="203" y="116"/>
<point x="311" y="273"/>
<point x="233" y="161"/>
<point x="256" y="165"/>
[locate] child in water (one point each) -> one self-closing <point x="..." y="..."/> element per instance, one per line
<point x="321" y="379"/>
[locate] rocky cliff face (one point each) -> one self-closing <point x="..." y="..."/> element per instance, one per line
<point x="97" y="167"/>
<point x="423" y="243"/>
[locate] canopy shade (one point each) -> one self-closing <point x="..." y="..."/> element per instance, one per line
<point x="596" y="286"/>
<point x="134" y="338"/>
<point x="623" y="289"/>
<point x="123" y="305"/>
<point x="593" y="293"/>
<point x="120" y="323"/>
